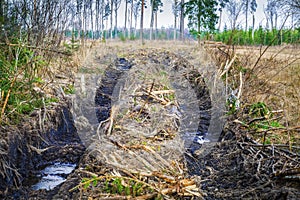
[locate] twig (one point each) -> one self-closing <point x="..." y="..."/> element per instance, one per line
<point x="240" y="122"/>
<point x="270" y="145"/>
<point x="241" y="86"/>
<point x="227" y="67"/>
<point x="157" y="92"/>
<point x="264" y="51"/>
<point x="257" y="188"/>
<point x="288" y="172"/>
<point x="45" y="112"/>
<point x="7" y="97"/>
<point x="147" y="100"/>
<point x="39" y="151"/>
<point x="99" y="127"/>
<point x="111" y="119"/>
<point x="35" y="47"/>
<point x="89" y="173"/>
<point x="146" y="196"/>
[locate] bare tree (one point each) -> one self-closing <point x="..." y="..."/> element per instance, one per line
<point x="111" y="18"/>
<point x="131" y="16"/>
<point x="175" y="8"/>
<point x="253" y="7"/>
<point x="271" y="12"/>
<point x="291" y="8"/>
<point x="125" y="25"/>
<point x="155" y="7"/>
<point x="234" y="8"/>
<point x="246" y="10"/>
<point x="116" y="8"/>
<point x="92" y="20"/>
<point x="182" y="20"/>
<point x="222" y="4"/>
<point x="137" y="7"/>
<point x="142" y="22"/>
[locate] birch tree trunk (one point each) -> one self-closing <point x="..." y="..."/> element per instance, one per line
<point x="220" y="20"/>
<point x="175" y="17"/>
<point x="156" y="30"/>
<point x="116" y="17"/>
<point x="92" y="21"/>
<point x="125" y="25"/>
<point x="246" y="12"/>
<point x="131" y="18"/>
<point x="111" y="18"/>
<point x="152" y="19"/>
<point x="142" y="23"/>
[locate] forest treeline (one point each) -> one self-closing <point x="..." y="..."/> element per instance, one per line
<point x="43" y="22"/>
<point x="259" y="36"/>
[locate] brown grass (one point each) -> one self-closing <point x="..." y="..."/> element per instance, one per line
<point x="272" y="77"/>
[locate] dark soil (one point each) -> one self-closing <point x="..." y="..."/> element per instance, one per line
<point x="31" y="150"/>
<point x="237" y="168"/>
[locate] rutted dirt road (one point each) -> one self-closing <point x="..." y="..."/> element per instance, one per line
<point x="140" y="139"/>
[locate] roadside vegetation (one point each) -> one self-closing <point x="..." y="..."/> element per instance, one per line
<point x="262" y="95"/>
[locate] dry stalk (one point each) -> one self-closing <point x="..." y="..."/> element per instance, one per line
<point x="228" y="66"/>
<point x="114" y="109"/>
<point x="241" y="86"/>
<point x="148" y="149"/>
<point x="7" y="98"/>
<point x="264" y="51"/>
<point x="147" y="100"/>
<point x="35" y="47"/>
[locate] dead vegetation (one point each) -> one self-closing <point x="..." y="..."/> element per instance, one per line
<point x="140" y="156"/>
<point x="269" y="78"/>
<point x="138" y="152"/>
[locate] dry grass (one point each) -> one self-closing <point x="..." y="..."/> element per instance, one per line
<point x="273" y="78"/>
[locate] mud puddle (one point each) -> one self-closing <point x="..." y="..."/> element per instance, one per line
<point x="53" y="175"/>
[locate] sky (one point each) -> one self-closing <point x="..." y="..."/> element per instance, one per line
<point x="166" y="18"/>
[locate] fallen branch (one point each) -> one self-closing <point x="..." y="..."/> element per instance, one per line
<point x="158" y="92"/>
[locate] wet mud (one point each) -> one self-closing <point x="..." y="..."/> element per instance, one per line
<point x="32" y="151"/>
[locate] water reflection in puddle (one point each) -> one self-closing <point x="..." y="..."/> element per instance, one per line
<point x="53" y="175"/>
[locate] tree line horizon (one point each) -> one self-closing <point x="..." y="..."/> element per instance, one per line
<point x="37" y="20"/>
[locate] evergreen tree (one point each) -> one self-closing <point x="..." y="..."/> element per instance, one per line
<point x="201" y="15"/>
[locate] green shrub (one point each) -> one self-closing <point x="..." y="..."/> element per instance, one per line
<point x="74" y="44"/>
<point x="122" y="37"/>
<point x="261" y="36"/>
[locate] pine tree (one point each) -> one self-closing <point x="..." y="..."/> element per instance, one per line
<point x="201" y="15"/>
